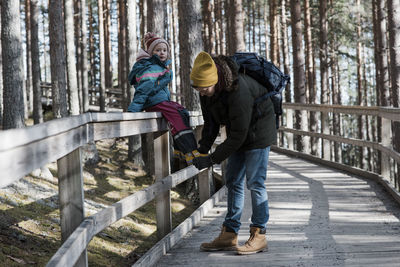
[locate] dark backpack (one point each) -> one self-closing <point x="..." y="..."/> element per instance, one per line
<point x="268" y="75"/>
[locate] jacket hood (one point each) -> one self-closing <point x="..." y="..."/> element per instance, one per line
<point x="230" y="72"/>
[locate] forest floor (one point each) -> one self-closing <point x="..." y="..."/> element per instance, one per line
<point x="30" y="220"/>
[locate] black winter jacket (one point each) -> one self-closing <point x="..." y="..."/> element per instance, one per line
<point x="233" y="106"/>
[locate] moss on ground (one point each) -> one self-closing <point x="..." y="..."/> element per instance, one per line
<point x="30" y="225"/>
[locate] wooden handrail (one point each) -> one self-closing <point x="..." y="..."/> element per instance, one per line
<point x="387" y="115"/>
<point x="26" y="149"/>
<point x="384" y="112"/>
<point x="351" y="141"/>
<point x="34" y="146"/>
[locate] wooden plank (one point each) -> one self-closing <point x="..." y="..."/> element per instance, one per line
<point x="165" y="244"/>
<point x="384" y="112"/>
<point x="357" y="142"/>
<point x="163" y="201"/>
<point x="13" y="138"/>
<point x="71" y="250"/>
<point x="70" y="191"/>
<point x="112" y="129"/>
<point x="92" y="225"/>
<point x="205" y="178"/>
<point x="21" y="160"/>
<point x="353" y="170"/>
<point x="318" y="217"/>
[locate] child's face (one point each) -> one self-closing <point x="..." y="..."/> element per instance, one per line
<point x="161" y="50"/>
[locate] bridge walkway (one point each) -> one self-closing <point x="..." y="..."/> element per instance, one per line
<point x="318" y="217"/>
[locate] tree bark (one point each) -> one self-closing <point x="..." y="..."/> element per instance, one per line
<point x="122" y="68"/>
<point x="57" y="59"/>
<point x="71" y="60"/>
<point x="155" y="17"/>
<point x="310" y="73"/>
<point x="273" y="21"/>
<point x="394" y="44"/>
<point x="84" y="61"/>
<point x="28" y="84"/>
<point x="237" y="27"/>
<point x="1" y="77"/>
<point x="37" y="91"/>
<point x="134" y="144"/>
<point x="13" y="115"/>
<point x="323" y="54"/>
<point x="107" y="44"/>
<point x="102" y="84"/>
<point x="359" y="85"/>
<point x="190" y="45"/>
<point x="299" y="73"/>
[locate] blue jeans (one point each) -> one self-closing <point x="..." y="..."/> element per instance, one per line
<point x="252" y="164"/>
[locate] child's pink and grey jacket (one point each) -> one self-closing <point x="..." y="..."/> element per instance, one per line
<point x="150" y="77"/>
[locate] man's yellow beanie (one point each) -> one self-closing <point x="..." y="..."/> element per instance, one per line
<point x="204" y="72"/>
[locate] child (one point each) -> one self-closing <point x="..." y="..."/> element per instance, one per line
<point x="150" y="76"/>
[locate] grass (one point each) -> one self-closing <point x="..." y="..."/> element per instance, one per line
<point x="29" y="217"/>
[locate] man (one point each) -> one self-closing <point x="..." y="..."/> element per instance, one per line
<point x="227" y="98"/>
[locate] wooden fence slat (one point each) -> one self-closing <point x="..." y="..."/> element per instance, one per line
<point x="385" y="149"/>
<point x="70" y="185"/>
<point x="163" y="200"/>
<point x="204" y="184"/>
<point x="21" y="160"/>
<point x="96" y="223"/>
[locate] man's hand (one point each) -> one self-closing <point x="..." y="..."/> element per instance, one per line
<point x="202" y="162"/>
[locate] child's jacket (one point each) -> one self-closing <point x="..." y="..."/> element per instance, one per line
<point x="151" y="77"/>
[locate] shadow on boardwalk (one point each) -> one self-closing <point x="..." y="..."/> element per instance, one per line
<point x="318" y="217"/>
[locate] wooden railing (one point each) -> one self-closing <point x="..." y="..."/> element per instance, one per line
<point x="389" y="157"/>
<point x="24" y="150"/>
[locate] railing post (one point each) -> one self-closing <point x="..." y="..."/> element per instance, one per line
<point x="326" y="144"/>
<point x="163" y="201"/>
<point x="205" y="177"/>
<point x="70" y="187"/>
<point x="289" y="124"/>
<point x="386" y="141"/>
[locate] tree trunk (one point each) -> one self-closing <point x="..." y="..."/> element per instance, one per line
<point x="394" y="44"/>
<point x="122" y="71"/>
<point x="299" y="73"/>
<point x="84" y="61"/>
<point x="359" y="85"/>
<point x="37" y="91"/>
<point x="13" y="115"/>
<point x="155" y="17"/>
<point x="382" y="53"/>
<point x="92" y="50"/>
<point x="207" y="26"/>
<point x="190" y="45"/>
<point x="28" y="84"/>
<point x="102" y="84"/>
<point x="273" y="20"/>
<point x="57" y="59"/>
<point x="143" y="18"/>
<point x="107" y="44"/>
<point x="134" y="151"/>
<point x="378" y="87"/>
<point x="71" y="61"/>
<point x="77" y="41"/>
<point x="310" y="73"/>
<point x="1" y="77"/>
<point x="237" y="27"/>
<point x="323" y="54"/>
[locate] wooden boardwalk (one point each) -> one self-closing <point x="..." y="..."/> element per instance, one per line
<point x="318" y="217"/>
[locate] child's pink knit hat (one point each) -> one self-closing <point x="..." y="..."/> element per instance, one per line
<point x="151" y="40"/>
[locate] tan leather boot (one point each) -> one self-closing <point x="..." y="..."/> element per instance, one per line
<point x="256" y="243"/>
<point x="225" y="241"/>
